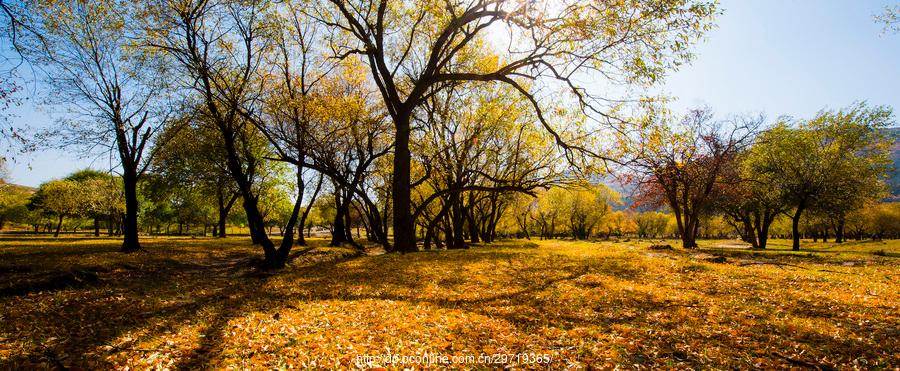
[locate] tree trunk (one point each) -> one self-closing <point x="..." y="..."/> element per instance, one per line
<point x="375" y="225"/>
<point x="302" y="222"/>
<point x="762" y="228"/>
<point x="255" y="220"/>
<point x="795" y="226"/>
<point x="339" y="229"/>
<point x="96" y="227"/>
<point x="490" y="230"/>
<point x="348" y="222"/>
<point x="404" y="225"/>
<point x="58" y="226"/>
<point x="280" y="256"/>
<point x="473" y="225"/>
<point x="257" y="227"/>
<point x="130" y="223"/>
<point x="689" y="233"/>
<point x="839" y="230"/>
<point x="456" y="241"/>
<point x="523" y="223"/>
<point x="429" y="235"/>
<point x="749" y="230"/>
<point x="552" y="234"/>
<point x="224" y="209"/>
<point x="220" y="224"/>
<point x="433" y="225"/>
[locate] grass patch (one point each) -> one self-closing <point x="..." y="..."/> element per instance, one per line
<point x="196" y="303"/>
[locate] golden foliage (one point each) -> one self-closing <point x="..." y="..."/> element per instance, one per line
<point x="191" y="303"/>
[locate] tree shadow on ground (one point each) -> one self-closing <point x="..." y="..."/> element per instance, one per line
<point x="625" y="303"/>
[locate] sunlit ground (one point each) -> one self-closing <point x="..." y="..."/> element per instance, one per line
<point x="193" y="303"/>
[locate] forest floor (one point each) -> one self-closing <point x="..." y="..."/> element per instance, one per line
<point x="195" y="303"/>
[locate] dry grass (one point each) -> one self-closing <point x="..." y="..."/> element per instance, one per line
<point x="195" y="303"/>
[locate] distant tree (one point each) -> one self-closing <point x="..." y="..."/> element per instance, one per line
<point x="681" y="165"/>
<point x="523" y="207"/>
<point x="101" y="196"/>
<point x="58" y="198"/>
<point x="292" y="108"/>
<point x="276" y="204"/>
<point x="616" y="223"/>
<point x="749" y="199"/>
<point x="194" y="161"/>
<point x="13" y="204"/>
<point x="650" y="224"/>
<point x="549" y="211"/>
<point x="470" y="162"/>
<point x="586" y="207"/>
<point x="875" y="220"/>
<point x="884" y="220"/>
<point x="345" y="135"/>
<point x="832" y="163"/>
<point x="325" y="211"/>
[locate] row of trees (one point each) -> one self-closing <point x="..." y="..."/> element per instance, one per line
<point x="579" y="211"/>
<point x="86" y="194"/>
<point x="93" y="198"/>
<point x="828" y="166"/>
<point x="876" y="220"/>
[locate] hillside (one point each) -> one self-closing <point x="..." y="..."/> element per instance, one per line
<point x="15" y="188"/>
<point x="894" y="175"/>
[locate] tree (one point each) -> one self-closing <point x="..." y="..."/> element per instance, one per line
<point x="550" y="211"/>
<point x="345" y="136"/>
<point x="586" y="207"/>
<point x="884" y="221"/>
<point x="682" y="165"/>
<point x="617" y="223"/>
<point x="218" y="46"/>
<point x="87" y="51"/>
<point x="59" y="198"/>
<point x="749" y="200"/>
<point x="471" y="163"/>
<point x="194" y="161"/>
<point x="286" y="117"/>
<point x="833" y="162"/>
<point x="651" y="224"/>
<point x="416" y="50"/>
<point x="101" y="196"/>
<point x="13" y="203"/>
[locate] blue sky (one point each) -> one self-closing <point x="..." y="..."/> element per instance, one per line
<point x="792" y="57"/>
<point x="786" y="57"/>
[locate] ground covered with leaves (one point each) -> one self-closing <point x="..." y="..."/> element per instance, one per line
<point x="197" y="303"/>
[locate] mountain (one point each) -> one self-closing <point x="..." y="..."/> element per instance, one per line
<point x="15" y="188"/>
<point x="894" y="174"/>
